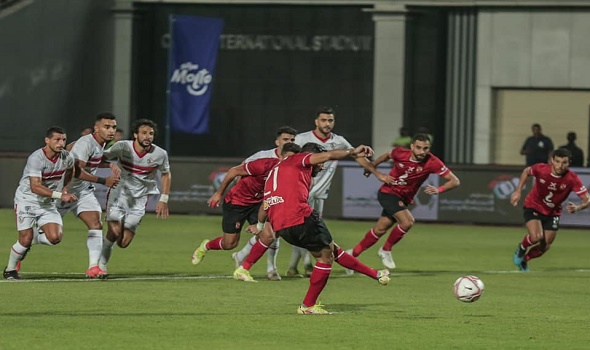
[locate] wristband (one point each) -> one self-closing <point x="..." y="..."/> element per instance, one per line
<point x="440" y="189"/>
<point x="101" y="180"/>
<point x="56" y="195"/>
<point x="260" y="226"/>
<point x="164" y="198"/>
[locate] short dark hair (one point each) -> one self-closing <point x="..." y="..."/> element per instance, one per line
<point x="286" y="130"/>
<point x="290" y="147"/>
<point x="105" y="115"/>
<point x="324" y="110"/>
<point x="312" y="147"/>
<point x="54" y="130"/>
<point x="562" y="153"/>
<point x="421" y="137"/>
<point x="144" y="122"/>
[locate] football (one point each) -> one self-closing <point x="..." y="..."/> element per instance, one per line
<point x="468" y="288"/>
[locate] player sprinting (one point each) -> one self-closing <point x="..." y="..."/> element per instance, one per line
<point x="285" y="134"/>
<point x="292" y="218"/>
<point x="34" y="200"/>
<point x="411" y="167"/>
<point x="542" y="206"/>
<point x="323" y="135"/>
<point x="241" y="202"/>
<point x="88" y="152"/>
<point x="139" y="160"/>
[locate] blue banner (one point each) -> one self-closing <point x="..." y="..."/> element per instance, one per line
<point x="192" y="55"/>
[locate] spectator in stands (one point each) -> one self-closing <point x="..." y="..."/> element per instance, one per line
<point x="577" y="159"/>
<point x="404" y="138"/>
<point x="537" y="148"/>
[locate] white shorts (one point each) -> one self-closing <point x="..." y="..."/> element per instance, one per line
<point x="128" y="210"/>
<point x="86" y="202"/>
<point x="30" y="213"/>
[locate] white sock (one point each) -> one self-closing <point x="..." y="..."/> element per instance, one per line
<point x="105" y="255"/>
<point x="307" y="258"/>
<point x="271" y="258"/>
<point x="243" y="253"/>
<point x="16" y="254"/>
<point x="296" y="255"/>
<point x="42" y="239"/>
<point x="94" y="244"/>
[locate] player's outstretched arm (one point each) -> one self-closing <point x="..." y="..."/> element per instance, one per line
<point x="38" y="189"/>
<point x="452" y="182"/>
<point x="361" y="151"/>
<point x="234" y="172"/>
<point x="515" y="197"/>
<point x="572" y="207"/>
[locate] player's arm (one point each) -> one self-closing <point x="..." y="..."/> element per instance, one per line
<point x="262" y="216"/>
<point x="452" y="182"/>
<point x="38" y="189"/>
<point x="162" y="205"/>
<point x="232" y="173"/>
<point x="572" y="208"/>
<point x="370" y="168"/>
<point x="82" y="174"/>
<point x="515" y="197"/>
<point x="361" y="151"/>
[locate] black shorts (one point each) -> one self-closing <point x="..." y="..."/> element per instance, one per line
<point x="312" y="235"/>
<point x="549" y="223"/>
<point x="391" y="204"/>
<point x="234" y="216"/>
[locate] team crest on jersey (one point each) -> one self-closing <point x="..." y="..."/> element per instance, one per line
<point x="401" y="204"/>
<point x="150" y="160"/>
<point x="419" y="169"/>
<point x="562" y="186"/>
<point x="542" y="181"/>
<point x="238" y="225"/>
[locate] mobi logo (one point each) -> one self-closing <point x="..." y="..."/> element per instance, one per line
<point x="196" y="80"/>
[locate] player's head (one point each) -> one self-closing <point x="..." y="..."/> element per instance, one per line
<point x="285" y="134"/>
<point x="55" y="138"/>
<point x="312" y="147"/>
<point x="560" y="161"/>
<point x="536" y="128"/>
<point x="571" y="137"/>
<point x="144" y="132"/>
<point x="105" y="126"/>
<point x="85" y="131"/>
<point x="289" y="149"/>
<point x="420" y="146"/>
<point x="324" y="121"/>
<point x="119" y="135"/>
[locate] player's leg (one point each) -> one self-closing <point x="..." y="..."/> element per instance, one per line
<point x="550" y="226"/>
<point x="265" y="239"/>
<point x="296" y="254"/>
<point x="317" y="281"/>
<point x="534" y="235"/>
<point x="93" y="241"/>
<point x="318" y="205"/>
<point x="240" y="255"/>
<point x="348" y="261"/>
<point x="373" y="235"/>
<point x="18" y="251"/>
<point x="405" y="221"/>
<point x="114" y="231"/>
<point x="271" y="261"/>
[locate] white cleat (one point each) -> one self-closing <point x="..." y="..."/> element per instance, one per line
<point x="386" y="258"/>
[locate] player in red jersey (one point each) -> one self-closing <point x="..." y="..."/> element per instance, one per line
<point x="542" y="206"/>
<point x="286" y="193"/>
<point x="411" y="167"/>
<point x="241" y="202"/>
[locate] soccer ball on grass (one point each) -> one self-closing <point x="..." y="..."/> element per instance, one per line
<point x="468" y="288"/>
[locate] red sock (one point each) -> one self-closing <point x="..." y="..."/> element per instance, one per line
<point x="317" y="282"/>
<point x="215" y="244"/>
<point x="258" y="250"/>
<point x="533" y="254"/>
<point x="395" y="236"/>
<point x="366" y="243"/>
<point x="350" y="262"/>
<point x="526" y="242"/>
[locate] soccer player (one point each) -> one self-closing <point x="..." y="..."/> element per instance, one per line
<point x="542" y="206"/>
<point x="285" y="134"/>
<point x="88" y="151"/>
<point x="34" y="200"/>
<point x="323" y="135"/>
<point x="411" y="167"/>
<point x="241" y="202"/>
<point x="292" y="218"/>
<point x="139" y="160"/>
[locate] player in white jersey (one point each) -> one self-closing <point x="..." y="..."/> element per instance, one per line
<point x="34" y="200"/>
<point x="139" y="161"/>
<point x="88" y="151"/>
<point x="285" y="134"/>
<point x="323" y="135"/>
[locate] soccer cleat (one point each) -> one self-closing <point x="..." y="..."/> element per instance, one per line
<point x="349" y="272"/>
<point x="242" y="274"/>
<point x="386" y="258"/>
<point x="236" y="260"/>
<point x="308" y="269"/>
<point x="383" y="277"/>
<point x="523" y="266"/>
<point x="518" y="256"/>
<point x="273" y="276"/>
<point x="96" y="272"/>
<point x="293" y="273"/>
<point x="317" y="309"/>
<point x="11" y="275"/>
<point x="200" y="252"/>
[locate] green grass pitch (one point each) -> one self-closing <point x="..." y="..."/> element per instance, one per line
<point x="156" y="299"/>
